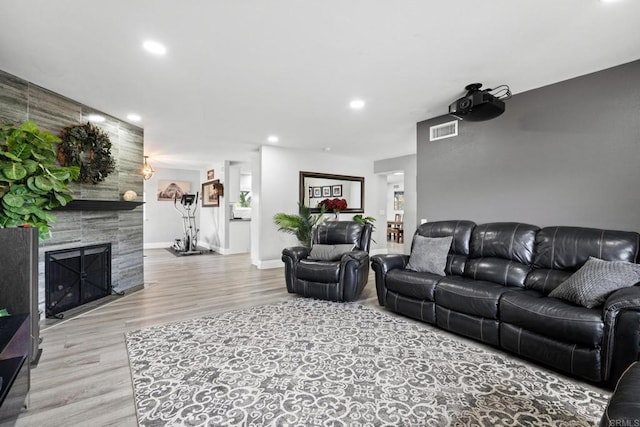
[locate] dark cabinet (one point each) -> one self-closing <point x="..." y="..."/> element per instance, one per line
<point x="19" y="332"/>
<point x="14" y="365"/>
<point x="19" y="278"/>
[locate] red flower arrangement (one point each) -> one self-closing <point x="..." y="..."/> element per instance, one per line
<point x="334" y="205"/>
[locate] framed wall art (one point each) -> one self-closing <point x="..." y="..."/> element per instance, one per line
<point x="315" y="185"/>
<point x="211" y="193"/>
<point x="168" y="190"/>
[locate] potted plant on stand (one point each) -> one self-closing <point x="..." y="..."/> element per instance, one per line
<point x="31" y="182"/>
<point x="301" y="225"/>
<point x="31" y="185"/>
<point x="366" y="220"/>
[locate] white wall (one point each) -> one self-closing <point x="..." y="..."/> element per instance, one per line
<point x="256" y="212"/>
<point x="162" y="223"/>
<point x="212" y="219"/>
<point x="239" y="235"/>
<point x="217" y="232"/>
<point x="278" y="178"/>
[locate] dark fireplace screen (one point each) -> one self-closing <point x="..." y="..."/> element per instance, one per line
<point x="76" y="276"/>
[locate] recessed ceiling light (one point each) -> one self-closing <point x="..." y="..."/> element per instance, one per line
<point x="357" y="104"/>
<point x="96" y="118"/>
<point x="273" y="138"/>
<point x="327" y="148"/>
<point x="398" y="173"/>
<point x="134" y="117"/>
<point x="154" y="47"/>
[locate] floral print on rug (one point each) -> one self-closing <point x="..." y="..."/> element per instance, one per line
<point x="305" y="362"/>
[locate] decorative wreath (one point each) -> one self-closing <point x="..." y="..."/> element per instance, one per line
<point x="89" y="147"/>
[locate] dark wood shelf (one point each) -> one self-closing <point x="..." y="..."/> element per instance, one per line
<point x="99" y="205"/>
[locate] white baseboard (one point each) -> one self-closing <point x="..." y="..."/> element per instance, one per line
<point x="221" y="251"/>
<point x="271" y="263"/>
<point x="157" y="245"/>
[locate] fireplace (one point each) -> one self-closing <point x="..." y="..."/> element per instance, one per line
<point x="76" y="276"/>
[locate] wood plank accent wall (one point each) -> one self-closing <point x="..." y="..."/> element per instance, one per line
<point x="21" y="101"/>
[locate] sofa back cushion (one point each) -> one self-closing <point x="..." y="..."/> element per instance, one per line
<point x="560" y="251"/>
<point x="342" y="232"/>
<point x="501" y="252"/>
<point x="459" y="251"/>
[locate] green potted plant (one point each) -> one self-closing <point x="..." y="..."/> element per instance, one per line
<point x="245" y="199"/>
<point x="301" y="225"/>
<point x="366" y="220"/>
<point x="31" y="182"/>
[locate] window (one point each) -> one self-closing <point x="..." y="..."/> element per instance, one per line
<point x="398" y="200"/>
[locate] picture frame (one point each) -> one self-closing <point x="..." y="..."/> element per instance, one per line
<point x="317" y="192"/>
<point x="210" y="174"/>
<point x="336" y="190"/>
<point x="169" y="189"/>
<point x="211" y="194"/>
<point x="326" y="191"/>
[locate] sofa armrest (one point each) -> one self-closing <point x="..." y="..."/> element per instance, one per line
<point x="381" y="265"/>
<point x="623" y="408"/>
<point x="354" y="273"/>
<point x="291" y="256"/>
<point x="621" y="315"/>
<point x="296" y="253"/>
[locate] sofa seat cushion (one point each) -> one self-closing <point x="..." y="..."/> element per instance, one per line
<point x="474" y="297"/>
<point x="318" y="271"/>
<point x="553" y="318"/>
<point x="413" y="284"/>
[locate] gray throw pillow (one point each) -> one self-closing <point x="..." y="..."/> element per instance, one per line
<point x="596" y="280"/>
<point x="330" y="252"/>
<point x="429" y="254"/>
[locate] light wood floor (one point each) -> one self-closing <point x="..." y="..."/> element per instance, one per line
<point x="83" y="377"/>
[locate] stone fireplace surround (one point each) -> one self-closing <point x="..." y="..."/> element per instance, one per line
<point x="22" y="101"/>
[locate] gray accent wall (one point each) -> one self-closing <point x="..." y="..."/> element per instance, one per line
<point x="563" y="154"/>
<point x="22" y="101"/>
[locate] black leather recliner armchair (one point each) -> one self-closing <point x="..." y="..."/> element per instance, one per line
<point x="339" y="280"/>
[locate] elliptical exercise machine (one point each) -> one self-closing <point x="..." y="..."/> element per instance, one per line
<point x="188" y="245"/>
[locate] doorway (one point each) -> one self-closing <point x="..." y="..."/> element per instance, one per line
<point x="395" y="212"/>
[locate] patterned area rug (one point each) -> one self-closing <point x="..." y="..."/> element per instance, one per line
<point x="306" y="363"/>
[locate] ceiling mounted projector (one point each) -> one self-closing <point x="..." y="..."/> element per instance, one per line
<point x="479" y="105"/>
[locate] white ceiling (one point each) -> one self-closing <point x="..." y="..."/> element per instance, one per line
<point x="237" y="71"/>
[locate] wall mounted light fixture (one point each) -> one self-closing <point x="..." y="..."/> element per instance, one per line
<point x="147" y="170"/>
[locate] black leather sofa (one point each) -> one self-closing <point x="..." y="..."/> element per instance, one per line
<point x="339" y="279"/>
<point x="495" y="289"/>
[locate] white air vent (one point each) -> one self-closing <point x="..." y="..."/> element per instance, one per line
<point x="445" y="130"/>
